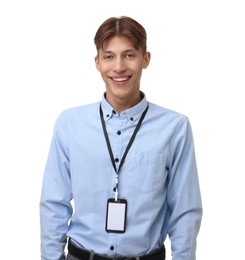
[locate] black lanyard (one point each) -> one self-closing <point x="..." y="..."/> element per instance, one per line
<point x="128" y="146"/>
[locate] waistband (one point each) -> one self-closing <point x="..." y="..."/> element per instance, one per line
<point x="86" y="255"/>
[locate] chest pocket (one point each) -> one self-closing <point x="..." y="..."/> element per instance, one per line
<point x="145" y="171"/>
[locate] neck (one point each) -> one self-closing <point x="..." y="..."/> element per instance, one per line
<point x="122" y="104"/>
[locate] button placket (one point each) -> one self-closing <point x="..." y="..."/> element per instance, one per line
<point x="118" y="145"/>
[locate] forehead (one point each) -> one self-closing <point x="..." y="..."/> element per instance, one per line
<point x="117" y="43"/>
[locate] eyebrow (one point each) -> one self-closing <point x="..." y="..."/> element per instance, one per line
<point x="129" y="50"/>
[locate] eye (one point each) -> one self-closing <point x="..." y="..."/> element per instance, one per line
<point x="107" y="57"/>
<point x="130" y="55"/>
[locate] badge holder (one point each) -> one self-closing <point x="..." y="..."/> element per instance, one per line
<point x="116" y="215"/>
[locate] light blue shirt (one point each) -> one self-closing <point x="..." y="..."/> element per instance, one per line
<point x="158" y="179"/>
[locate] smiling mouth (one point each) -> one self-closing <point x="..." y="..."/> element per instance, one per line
<point x="120" y="79"/>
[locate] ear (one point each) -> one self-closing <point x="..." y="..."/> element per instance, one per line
<point x="97" y="64"/>
<point x="147" y="59"/>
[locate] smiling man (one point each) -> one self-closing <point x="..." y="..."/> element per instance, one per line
<point x="127" y="164"/>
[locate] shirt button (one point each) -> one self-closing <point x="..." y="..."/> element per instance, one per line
<point x="131" y="118"/>
<point x="118" y="132"/>
<point x="116" y="160"/>
<point x="112" y="248"/>
<point x="114" y="189"/>
<point x="107" y="115"/>
<point x="114" y="112"/>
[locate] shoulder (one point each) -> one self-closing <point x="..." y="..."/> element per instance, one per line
<point x="77" y="113"/>
<point x="79" y="110"/>
<point x="175" y="123"/>
<point x="165" y="114"/>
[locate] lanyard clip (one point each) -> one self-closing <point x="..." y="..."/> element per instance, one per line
<point x="116" y="195"/>
<point x="116" y="192"/>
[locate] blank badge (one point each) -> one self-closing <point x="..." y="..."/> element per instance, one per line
<point x="116" y="215"/>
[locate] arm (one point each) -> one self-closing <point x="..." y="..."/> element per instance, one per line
<point x="184" y="199"/>
<point x="55" y="206"/>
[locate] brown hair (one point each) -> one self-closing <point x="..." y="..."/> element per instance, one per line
<point x="122" y="25"/>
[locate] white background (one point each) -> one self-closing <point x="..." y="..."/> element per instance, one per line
<point x="197" y="68"/>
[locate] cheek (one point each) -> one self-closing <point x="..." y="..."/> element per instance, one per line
<point x="138" y="69"/>
<point x="103" y="68"/>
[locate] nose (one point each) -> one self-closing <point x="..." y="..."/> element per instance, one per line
<point x="119" y="65"/>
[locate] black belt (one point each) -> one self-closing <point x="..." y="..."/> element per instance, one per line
<point x="85" y="255"/>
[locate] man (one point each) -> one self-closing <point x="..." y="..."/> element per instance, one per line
<point x="121" y="173"/>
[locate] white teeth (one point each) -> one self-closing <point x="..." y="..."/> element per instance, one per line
<point x="120" y="79"/>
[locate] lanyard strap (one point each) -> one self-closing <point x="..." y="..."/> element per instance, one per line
<point x="130" y="141"/>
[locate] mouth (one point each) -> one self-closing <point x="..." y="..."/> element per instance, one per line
<point x="120" y="80"/>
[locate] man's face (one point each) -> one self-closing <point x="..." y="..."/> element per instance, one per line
<point x="120" y="65"/>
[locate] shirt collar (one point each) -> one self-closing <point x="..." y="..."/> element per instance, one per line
<point x="132" y="113"/>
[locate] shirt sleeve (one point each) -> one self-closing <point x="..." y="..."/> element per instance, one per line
<point x="55" y="203"/>
<point x="184" y="198"/>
